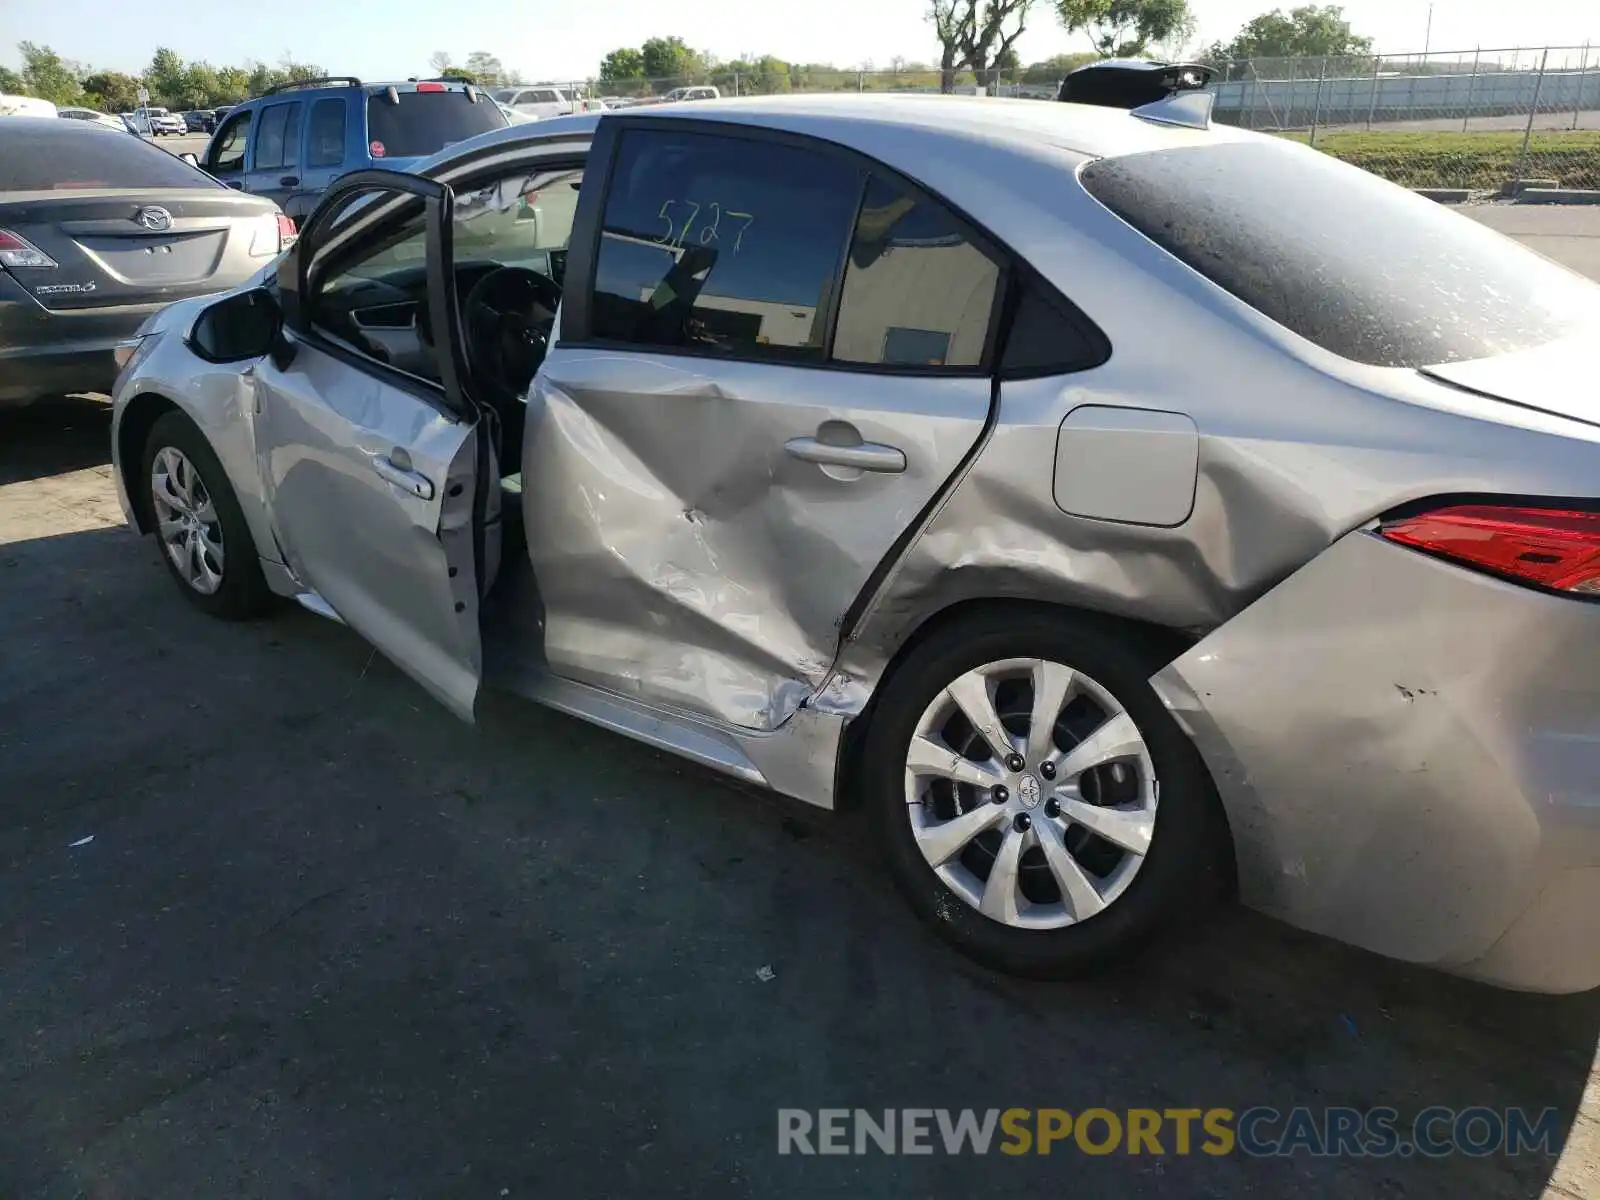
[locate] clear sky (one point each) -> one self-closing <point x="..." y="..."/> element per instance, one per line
<point x="379" y="39"/>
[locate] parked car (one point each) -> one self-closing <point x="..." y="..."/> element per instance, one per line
<point x="218" y="113"/>
<point x="199" y="121"/>
<point x="96" y="120"/>
<point x="1119" y="508"/>
<point x="290" y="143"/>
<point x="512" y="116"/>
<point x="546" y="100"/>
<point x="691" y="93"/>
<point x="25" y="106"/>
<point x="96" y="233"/>
<point x="158" y="122"/>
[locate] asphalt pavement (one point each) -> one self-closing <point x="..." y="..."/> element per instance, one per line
<point x="278" y="925"/>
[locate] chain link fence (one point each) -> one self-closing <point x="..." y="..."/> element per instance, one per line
<point x="1490" y="121"/>
<point x="1484" y="120"/>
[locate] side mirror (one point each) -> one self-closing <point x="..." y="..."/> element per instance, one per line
<point x="188" y="157"/>
<point x="245" y="325"/>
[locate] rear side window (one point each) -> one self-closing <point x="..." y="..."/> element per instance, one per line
<point x="325" y="134"/>
<point x="917" y="291"/>
<point x="426" y="122"/>
<point x="73" y="156"/>
<point x="722" y="245"/>
<point x="1354" y="264"/>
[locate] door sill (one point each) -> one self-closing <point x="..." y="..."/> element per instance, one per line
<point x="701" y="742"/>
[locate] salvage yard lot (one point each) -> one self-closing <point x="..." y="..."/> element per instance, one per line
<point x="325" y="940"/>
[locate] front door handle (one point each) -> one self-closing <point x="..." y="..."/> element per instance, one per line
<point x="866" y="456"/>
<point x="289" y="181"/>
<point x="418" y="484"/>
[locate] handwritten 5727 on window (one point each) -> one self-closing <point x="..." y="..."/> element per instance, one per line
<point x="701" y="224"/>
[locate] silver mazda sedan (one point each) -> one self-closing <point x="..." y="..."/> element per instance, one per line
<point x="1121" y="510"/>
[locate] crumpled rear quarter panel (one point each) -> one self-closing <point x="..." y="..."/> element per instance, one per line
<point x="1407" y="752"/>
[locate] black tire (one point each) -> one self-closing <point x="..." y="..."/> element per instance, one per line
<point x="243" y="593"/>
<point x="1189" y="863"/>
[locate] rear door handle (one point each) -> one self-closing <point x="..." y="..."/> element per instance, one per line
<point x="868" y="456"/>
<point x="289" y="181"/>
<point x="418" y="484"/>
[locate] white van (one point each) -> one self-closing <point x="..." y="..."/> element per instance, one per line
<point x="25" y="106"/>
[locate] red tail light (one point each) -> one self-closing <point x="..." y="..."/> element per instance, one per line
<point x="286" y="231"/>
<point x="20" y="252"/>
<point x="1548" y="547"/>
<point x="430" y="87"/>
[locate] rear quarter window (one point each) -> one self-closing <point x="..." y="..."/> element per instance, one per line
<point x="1357" y="265"/>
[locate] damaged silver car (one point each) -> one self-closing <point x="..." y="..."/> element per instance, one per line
<point x="1119" y="508"/>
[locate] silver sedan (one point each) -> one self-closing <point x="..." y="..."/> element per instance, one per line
<point x="1124" y="511"/>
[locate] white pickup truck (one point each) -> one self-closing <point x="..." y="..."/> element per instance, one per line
<point x="542" y="101"/>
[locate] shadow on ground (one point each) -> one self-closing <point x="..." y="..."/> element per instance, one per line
<point x="326" y="940"/>
<point x="54" y="436"/>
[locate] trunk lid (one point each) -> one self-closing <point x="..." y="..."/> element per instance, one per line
<point x="1557" y="377"/>
<point x="115" y="248"/>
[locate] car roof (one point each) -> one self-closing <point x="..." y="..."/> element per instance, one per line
<point x="853" y="119"/>
<point x="42" y="128"/>
<point x="368" y="86"/>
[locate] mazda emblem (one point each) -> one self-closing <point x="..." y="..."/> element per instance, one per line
<point x="156" y="220"/>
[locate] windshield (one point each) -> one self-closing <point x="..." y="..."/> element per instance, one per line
<point x="425" y="122"/>
<point x="1362" y="268"/>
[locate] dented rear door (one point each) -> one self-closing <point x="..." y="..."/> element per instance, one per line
<point x="782" y="360"/>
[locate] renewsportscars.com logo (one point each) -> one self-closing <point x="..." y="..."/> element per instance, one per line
<point x="1260" y="1132"/>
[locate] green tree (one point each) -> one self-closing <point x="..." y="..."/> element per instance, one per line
<point x="622" y="63"/>
<point x="980" y="34"/>
<point x="1307" y="31"/>
<point x="485" y="68"/>
<point x="260" y="78"/>
<point x="199" y="86"/>
<point x="439" y="60"/>
<point x="12" y="84"/>
<point x="1127" y="28"/>
<point x="111" y="91"/>
<point x="233" y="85"/>
<point x="165" y="77"/>
<point x="47" y="75"/>
<point x="669" y="59"/>
<point x="298" y="72"/>
<point x="766" y="75"/>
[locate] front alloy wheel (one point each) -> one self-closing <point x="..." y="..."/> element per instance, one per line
<point x="205" y="542"/>
<point x="187" y="521"/>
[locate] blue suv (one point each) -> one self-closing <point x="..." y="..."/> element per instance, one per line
<point x="292" y="141"/>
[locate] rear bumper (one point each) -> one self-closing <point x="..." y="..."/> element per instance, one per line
<point x="1409" y="755"/>
<point x="45" y="353"/>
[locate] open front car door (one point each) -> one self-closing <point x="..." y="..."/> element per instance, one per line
<point x="373" y="455"/>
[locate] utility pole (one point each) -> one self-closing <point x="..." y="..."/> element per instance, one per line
<point x="1427" y="36"/>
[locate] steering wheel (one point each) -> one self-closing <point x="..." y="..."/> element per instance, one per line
<point x="508" y="317"/>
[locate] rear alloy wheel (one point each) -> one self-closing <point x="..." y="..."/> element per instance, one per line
<point x="205" y="543"/>
<point x="1034" y="800"/>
